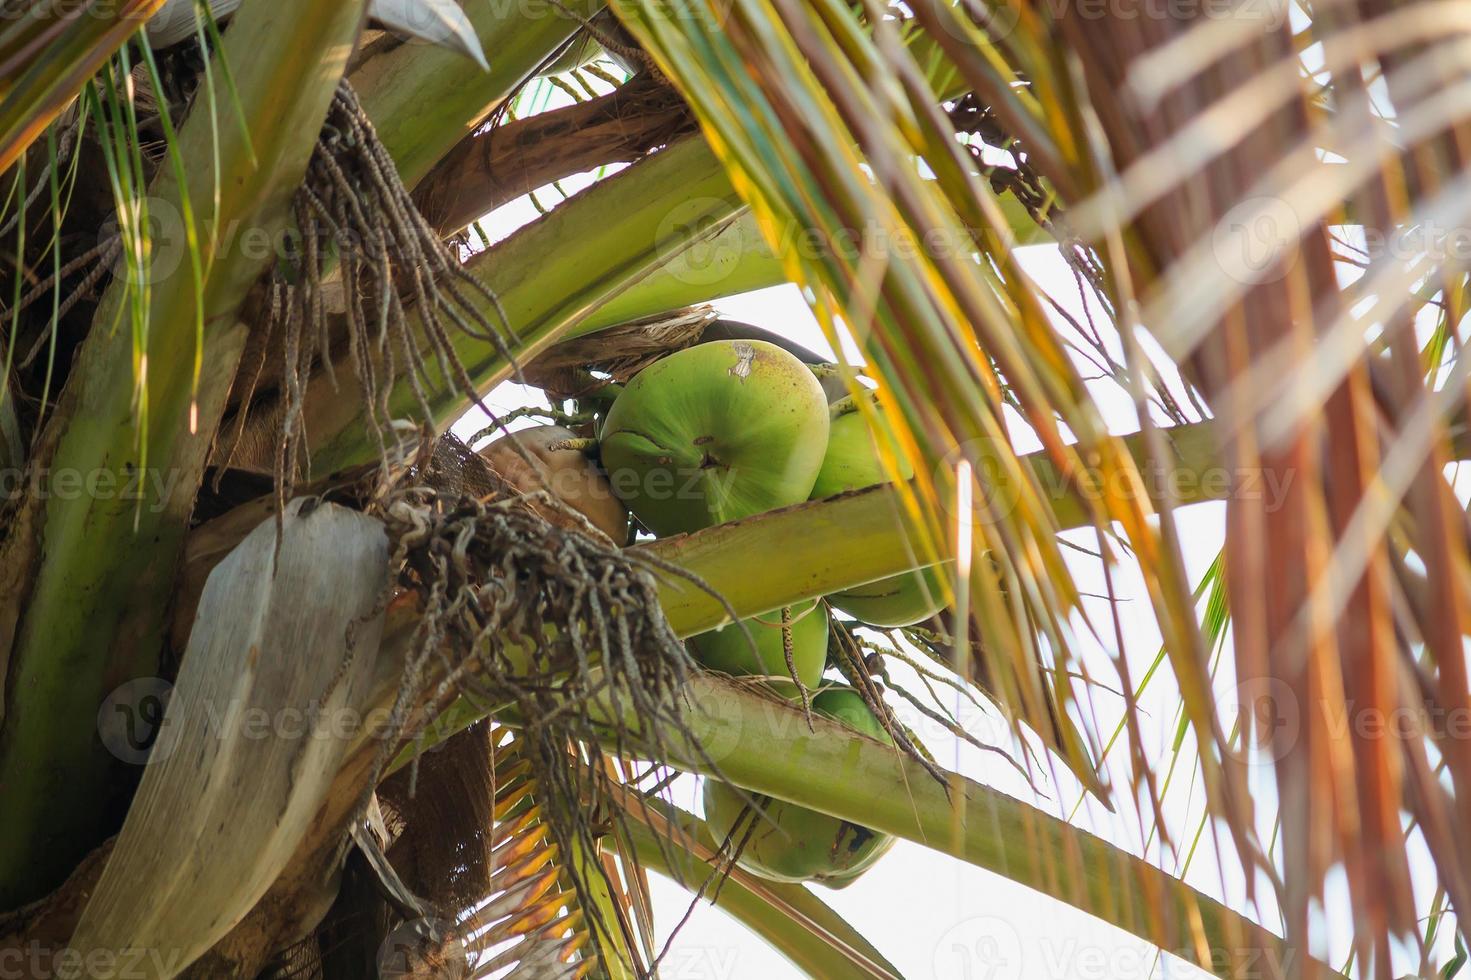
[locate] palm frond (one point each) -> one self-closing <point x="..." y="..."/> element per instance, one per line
<point x="47" y="54"/>
<point x="1194" y="154"/>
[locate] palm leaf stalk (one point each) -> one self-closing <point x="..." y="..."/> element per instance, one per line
<point x="63" y="653"/>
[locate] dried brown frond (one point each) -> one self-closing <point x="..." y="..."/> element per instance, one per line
<point x="513" y="157"/>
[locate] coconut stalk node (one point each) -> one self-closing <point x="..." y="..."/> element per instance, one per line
<point x="855" y="458"/>
<point x="729" y="650"/>
<point x="564" y="472"/>
<point x="789" y="843"/>
<point x="714" y="433"/>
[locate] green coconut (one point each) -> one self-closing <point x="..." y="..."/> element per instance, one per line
<point x="901" y="600"/>
<point x="714" y="433"/>
<point x="854" y="460"/>
<point x="792" y="843"/>
<point x="728" y="650"/>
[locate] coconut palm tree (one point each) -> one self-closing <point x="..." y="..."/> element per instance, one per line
<point x="295" y="683"/>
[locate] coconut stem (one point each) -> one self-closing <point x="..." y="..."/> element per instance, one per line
<point x="580" y="445"/>
<point x="843" y="406"/>
<point x="527" y="411"/>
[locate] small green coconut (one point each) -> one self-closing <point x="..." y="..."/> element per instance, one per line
<point x="792" y="843"/>
<point x="727" y="649"/>
<point x="901" y="600"/>
<point x="853" y="460"/>
<point x="714" y="433"/>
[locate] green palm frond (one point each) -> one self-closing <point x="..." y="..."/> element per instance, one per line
<point x="916" y="257"/>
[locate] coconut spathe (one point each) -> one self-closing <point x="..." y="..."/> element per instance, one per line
<point x="715" y="433"/>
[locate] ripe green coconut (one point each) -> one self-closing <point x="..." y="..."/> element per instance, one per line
<point x="727" y="649"/>
<point x="714" y="433"/>
<point x="792" y="843"/>
<point x="853" y="460"/>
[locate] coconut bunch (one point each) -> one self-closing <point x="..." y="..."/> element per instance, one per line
<point x="715" y="433"/>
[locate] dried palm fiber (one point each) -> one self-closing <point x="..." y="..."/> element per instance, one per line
<point x="299" y="961"/>
<point x="491" y="874"/>
<point x="456" y="469"/>
<point x="531" y="914"/>
<point x="565" y="370"/>
<point x="541" y="619"/>
<point x="355" y="220"/>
